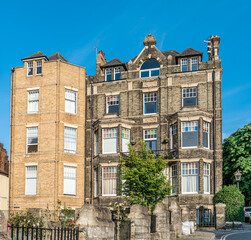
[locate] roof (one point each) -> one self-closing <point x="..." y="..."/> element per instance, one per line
<point x="113" y="62"/>
<point x="170" y="52"/>
<point x="57" y="56"/>
<point x="33" y="56"/>
<point x="189" y="52"/>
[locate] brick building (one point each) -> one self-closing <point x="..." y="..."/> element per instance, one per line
<point x="4" y="179"/>
<point x="170" y="100"/>
<point x="47" y="130"/>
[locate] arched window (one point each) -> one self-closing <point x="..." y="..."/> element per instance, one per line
<point x="150" y="68"/>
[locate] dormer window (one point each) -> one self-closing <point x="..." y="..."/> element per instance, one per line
<point x="29" y="68"/>
<point x="184" y="65"/>
<point x="116" y="73"/>
<point x="194" y="63"/>
<point x="38" y="67"/>
<point x="150" y="68"/>
<point x="108" y="74"/>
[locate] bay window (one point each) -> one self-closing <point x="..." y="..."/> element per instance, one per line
<point x="96" y="182"/>
<point x="109" y="181"/>
<point x="173" y="135"/>
<point x="190" y="178"/>
<point x="109" y="140"/>
<point x="189" y="134"/>
<point x="150" y="137"/>
<point x="206" y="178"/>
<point x="206" y="134"/>
<point x="174" y="179"/>
<point x="125" y="139"/>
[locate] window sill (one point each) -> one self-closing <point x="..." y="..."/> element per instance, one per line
<point x="147" y="114"/>
<point x="189" y="148"/>
<point x="32" y="112"/>
<point x="70" y="152"/>
<point x="186" y="193"/>
<point x="110" y="195"/>
<point x="68" y="194"/>
<point x="71" y="113"/>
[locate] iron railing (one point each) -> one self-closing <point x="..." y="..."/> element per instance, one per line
<point x="38" y="233"/>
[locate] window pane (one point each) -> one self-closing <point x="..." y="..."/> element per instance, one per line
<point x="109" y="181"/>
<point x="70" y="180"/>
<point x="190" y="178"/>
<point x="150" y="103"/>
<point x="31" y="180"/>
<point x="70" y="101"/>
<point x="144" y="74"/>
<point x="70" y="140"/>
<point x="32" y="139"/>
<point x="125" y="139"/>
<point x="155" y="73"/>
<point x="109" y="140"/>
<point x="33" y="100"/>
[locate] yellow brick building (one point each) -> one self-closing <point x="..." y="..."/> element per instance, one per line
<point x="47" y="149"/>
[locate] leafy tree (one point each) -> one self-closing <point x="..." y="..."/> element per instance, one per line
<point x="237" y="155"/>
<point x="234" y="200"/>
<point x="145" y="182"/>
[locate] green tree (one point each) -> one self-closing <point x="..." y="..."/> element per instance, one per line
<point x="237" y="155"/>
<point x="144" y="180"/>
<point x="234" y="201"/>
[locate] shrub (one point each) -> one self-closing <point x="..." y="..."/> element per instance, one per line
<point x="234" y="200"/>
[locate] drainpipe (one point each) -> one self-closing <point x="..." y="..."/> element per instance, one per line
<point x="91" y="140"/>
<point x="85" y="98"/>
<point x="11" y="119"/>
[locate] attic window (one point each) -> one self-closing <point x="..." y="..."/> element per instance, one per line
<point x="150" y="68"/>
<point x="29" y="68"/>
<point x="108" y="74"/>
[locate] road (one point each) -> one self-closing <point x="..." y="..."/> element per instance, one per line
<point x="234" y="235"/>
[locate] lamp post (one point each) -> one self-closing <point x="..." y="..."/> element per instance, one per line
<point x="237" y="177"/>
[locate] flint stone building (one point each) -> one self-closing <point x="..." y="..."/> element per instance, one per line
<point x="170" y="100"/>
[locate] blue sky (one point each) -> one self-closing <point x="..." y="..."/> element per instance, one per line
<point x="73" y="28"/>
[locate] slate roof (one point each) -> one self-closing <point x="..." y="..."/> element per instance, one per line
<point x="114" y="62"/>
<point x="170" y="52"/>
<point x="189" y="52"/>
<point x="33" y="56"/>
<point x="57" y="56"/>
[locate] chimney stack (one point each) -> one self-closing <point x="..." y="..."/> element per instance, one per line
<point x="100" y="61"/>
<point x="213" y="48"/>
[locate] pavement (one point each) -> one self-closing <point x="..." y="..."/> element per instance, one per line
<point x="243" y="233"/>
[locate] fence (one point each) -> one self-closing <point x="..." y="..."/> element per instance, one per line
<point x="205" y="217"/>
<point x="38" y="233"/>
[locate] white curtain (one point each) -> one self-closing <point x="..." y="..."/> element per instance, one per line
<point x="125" y="143"/>
<point x="31" y="180"/>
<point x="70" y="101"/>
<point x="70" y="180"/>
<point x="206" y="184"/>
<point x="70" y="140"/>
<point x="190" y="184"/>
<point x="109" y="181"/>
<point x="109" y="145"/>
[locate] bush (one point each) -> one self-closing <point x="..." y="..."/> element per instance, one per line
<point x="234" y="200"/>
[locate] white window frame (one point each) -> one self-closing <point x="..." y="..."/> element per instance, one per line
<point x="174" y="169"/>
<point x="115" y="100"/>
<point x="150" y="72"/>
<point x="206" y="128"/>
<point x="116" y="172"/>
<point x="72" y="178"/>
<point x="193" y="127"/>
<point x="206" y="177"/>
<point x="71" y="101"/>
<point x="70" y="139"/>
<point x="27" y="178"/>
<point x="173" y="131"/>
<point x="114" y="135"/>
<point x="117" y="71"/>
<point x="194" y="60"/>
<point x="38" y="65"/>
<point x="189" y="95"/>
<point x="32" y="101"/>
<point x="125" y="136"/>
<point x="108" y="70"/>
<point x="149" y="96"/>
<point x="182" y="60"/>
<point x="27" y="139"/>
<point x="29" y="66"/>
<point x="183" y="176"/>
<point x="152" y="138"/>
